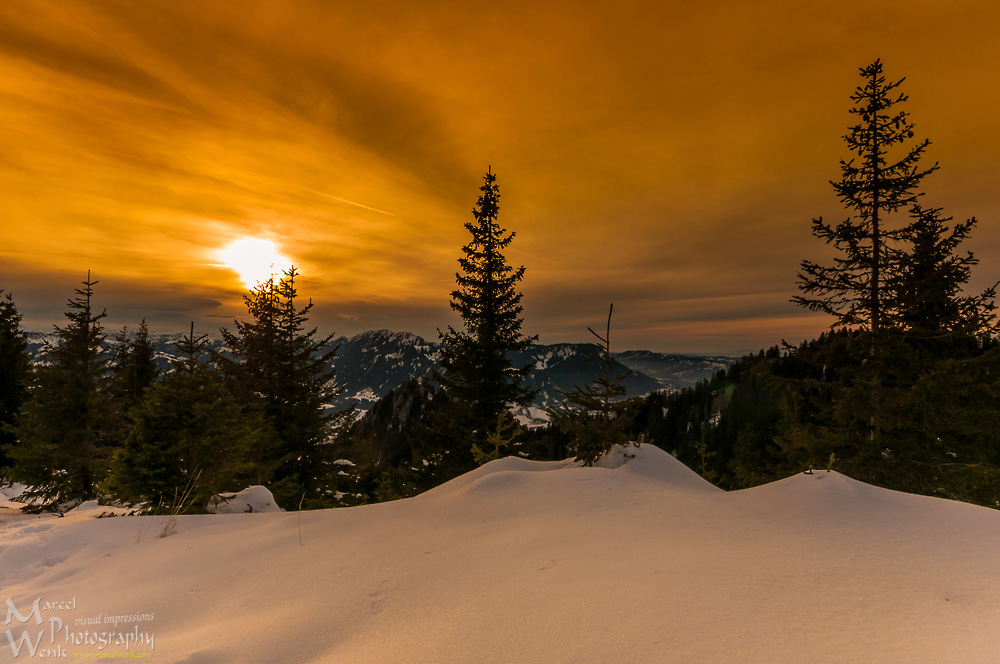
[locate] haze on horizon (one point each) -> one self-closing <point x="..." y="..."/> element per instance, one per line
<point x="663" y="156"/>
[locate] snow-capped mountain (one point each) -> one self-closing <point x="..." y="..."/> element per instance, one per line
<point x="372" y="363"/>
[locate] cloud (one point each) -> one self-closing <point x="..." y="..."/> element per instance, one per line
<point x="666" y="156"/>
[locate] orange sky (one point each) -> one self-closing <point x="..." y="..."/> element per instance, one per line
<point x="665" y="156"/>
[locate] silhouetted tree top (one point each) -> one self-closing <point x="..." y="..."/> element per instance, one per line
<point x="873" y="184"/>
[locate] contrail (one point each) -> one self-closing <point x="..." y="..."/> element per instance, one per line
<point x="320" y="193"/>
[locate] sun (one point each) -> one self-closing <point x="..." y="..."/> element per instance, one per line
<point x="256" y="260"/>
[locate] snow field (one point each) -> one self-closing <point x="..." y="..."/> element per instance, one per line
<point x="635" y="560"/>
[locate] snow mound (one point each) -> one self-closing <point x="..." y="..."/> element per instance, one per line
<point x="514" y="474"/>
<point x="252" y="499"/>
<point x="653" y="463"/>
<point x="495" y="475"/>
<point x="833" y="503"/>
<point x="830" y="491"/>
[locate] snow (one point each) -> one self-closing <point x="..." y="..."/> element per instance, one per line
<point x="251" y="499"/>
<point x="531" y="416"/>
<point x="542" y="362"/>
<point x="634" y="560"/>
<point x="366" y="394"/>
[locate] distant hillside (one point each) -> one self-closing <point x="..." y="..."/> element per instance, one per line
<point x="561" y="367"/>
<point x="673" y="372"/>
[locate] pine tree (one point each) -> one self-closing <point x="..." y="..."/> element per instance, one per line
<point x="287" y="372"/>
<point x="15" y="364"/>
<point x="499" y="442"/>
<point x="476" y="373"/>
<point x="928" y="280"/>
<point x="249" y="367"/>
<point x="306" y="426"/>
<point x="66" y="429"/>
<point x="133" y="368"/>
<point x="133" y="364"/>
<point x="871" y="187"/>
<point x="190" y="433"/>
<point x="254" y="343"/>
<point x="597" y="418"/>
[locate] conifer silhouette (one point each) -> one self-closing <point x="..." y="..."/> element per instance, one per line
<point x="872" y="186"/>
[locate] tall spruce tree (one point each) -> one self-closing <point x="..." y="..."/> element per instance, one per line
<point x="286" y="370"/>
<point x="249" y="367"/>
<point x="477" y="375"/>
<point x="66" y="430"/>
<point x="307" y="427"/>
<point x="191" y="436"/>
<point x="872" y="186"/>
<point x="15" y="363"/>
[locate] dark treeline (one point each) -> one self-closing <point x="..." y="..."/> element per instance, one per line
<point x="95" y="419"/>
<point x="903" y="391"/>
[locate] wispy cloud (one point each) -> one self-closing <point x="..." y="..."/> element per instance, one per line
<point x="666" y="156"/>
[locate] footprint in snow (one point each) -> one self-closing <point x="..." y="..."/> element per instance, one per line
<point x="377" y="596"/>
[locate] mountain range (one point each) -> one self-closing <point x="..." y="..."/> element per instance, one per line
<point x="370" y="364"/>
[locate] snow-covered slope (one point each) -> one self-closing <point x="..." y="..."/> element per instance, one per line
<point x="636" y="560"/>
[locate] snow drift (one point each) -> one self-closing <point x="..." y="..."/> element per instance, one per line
<point x="634" y="560"/>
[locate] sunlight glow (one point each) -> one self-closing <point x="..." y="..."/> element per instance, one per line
<point x="255" y="260"/>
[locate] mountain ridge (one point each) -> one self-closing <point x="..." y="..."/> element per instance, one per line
<point x="371" y="364"/>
